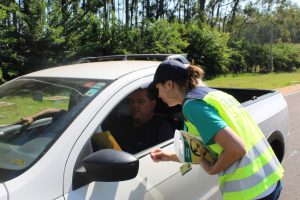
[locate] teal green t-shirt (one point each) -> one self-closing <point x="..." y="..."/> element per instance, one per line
<point x="205" y="118"/>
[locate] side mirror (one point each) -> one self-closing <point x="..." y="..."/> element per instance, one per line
<point x="110" y="165"/>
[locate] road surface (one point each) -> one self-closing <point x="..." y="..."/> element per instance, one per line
<point x="291" y="162"/>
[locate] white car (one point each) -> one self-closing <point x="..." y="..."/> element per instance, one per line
<point x="53" y="158"/>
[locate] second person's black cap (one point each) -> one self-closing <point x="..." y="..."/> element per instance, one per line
<point x="170" y="70"/>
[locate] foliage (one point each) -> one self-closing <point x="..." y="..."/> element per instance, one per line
<point x="237" y="63"/>
<point x="162" y="37"/>
<point x="1" y="79"/>
<point x="208" y="48"/>
<point x="157" y="37"/>
<point x="225" y="36"/>
<point x="286" y="57"/>
<point x="249" y="57"/>
<point x="257" y="57"/>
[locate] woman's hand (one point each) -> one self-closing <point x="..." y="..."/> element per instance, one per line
<point x="158" y="155"/>
<point x="207" y="167"/>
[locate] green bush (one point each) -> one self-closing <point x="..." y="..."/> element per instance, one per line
<point x="162" y="37"/>
<point x="209" y="49"/>
<point x="286" y="57"/>
<point x="237" y="62"/>
<point x="248" y="56"/>
<point x="1" y="79"/>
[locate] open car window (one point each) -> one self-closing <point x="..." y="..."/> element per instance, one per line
<point x="119" y="132"/>
<point x="57" y="100"/>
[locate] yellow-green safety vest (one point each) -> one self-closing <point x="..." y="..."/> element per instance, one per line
<point x="259" y="169"/>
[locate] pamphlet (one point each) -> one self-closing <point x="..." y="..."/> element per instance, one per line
<point x="189" y="149"/>
<point x="105" y="140"/>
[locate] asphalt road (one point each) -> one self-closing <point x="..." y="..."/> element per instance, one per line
<point x="291" y="161"/>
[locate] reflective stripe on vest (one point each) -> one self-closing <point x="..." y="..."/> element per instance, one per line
<point x="259" y="168"/>
<point x="253" y="180"/>
<point x="251" y="155"/>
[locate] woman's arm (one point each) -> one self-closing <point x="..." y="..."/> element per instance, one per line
<point x="158" y="155"/>
<point x="233" y="150"/>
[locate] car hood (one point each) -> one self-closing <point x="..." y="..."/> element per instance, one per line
<point x="3" y="192"/>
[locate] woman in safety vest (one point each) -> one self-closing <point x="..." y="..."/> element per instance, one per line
<point x="247" y="166"/>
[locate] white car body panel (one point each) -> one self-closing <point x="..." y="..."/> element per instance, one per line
<point x="51" y="176"/>
<point x="271" y="114"/>
<point x="148" y="184"/>
<point x="100" y="70"/>
<point x="3" y="193"/>
<point x="271" y="106"/>
<point x="152" y="184"/>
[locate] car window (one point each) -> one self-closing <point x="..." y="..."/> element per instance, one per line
<point x="111" y="133"/>
<point x="34" y="112"/>
<point x="120" y="132"/>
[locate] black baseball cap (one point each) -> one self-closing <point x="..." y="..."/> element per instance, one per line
<point x="170" y="70"/>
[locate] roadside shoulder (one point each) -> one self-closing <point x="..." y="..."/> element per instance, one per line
<point x="289" y="89"/>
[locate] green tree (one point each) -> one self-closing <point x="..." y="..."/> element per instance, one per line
<point x="208" y="48"/>
<point x="286" y="57"/>
<point x="163" y="37"/>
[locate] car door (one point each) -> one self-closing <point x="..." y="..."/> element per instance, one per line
<point x="153" y="181"/>
<point x="3" y="193"/>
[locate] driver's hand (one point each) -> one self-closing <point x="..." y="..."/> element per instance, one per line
<point x="27" y="120"/>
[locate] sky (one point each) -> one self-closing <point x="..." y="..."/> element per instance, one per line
<point x="296" y="1"/>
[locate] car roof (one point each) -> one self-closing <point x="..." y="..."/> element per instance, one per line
<point x="95" y="70"/>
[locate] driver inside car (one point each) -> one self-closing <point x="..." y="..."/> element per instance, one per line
<point x="142" y="128"/>
<point x="74" y="99"/>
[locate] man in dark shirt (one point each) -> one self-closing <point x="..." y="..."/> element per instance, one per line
<point x="142" y="129"/>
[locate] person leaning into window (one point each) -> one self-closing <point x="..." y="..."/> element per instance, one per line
<point x="247" y="166"/>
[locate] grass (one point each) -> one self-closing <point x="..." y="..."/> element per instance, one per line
<point x="24" y="106"/>
<point x="260" y="81"/>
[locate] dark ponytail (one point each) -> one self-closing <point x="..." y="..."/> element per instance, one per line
<point x="194" y="73"/>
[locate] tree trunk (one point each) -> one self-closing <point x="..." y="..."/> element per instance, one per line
<point x="148" y="9"/>
<point x="212" y="21"/>
<point x="160" y="10"/>
<point x="136" y="13"/>
<point x="127" y="13"/>
<point x="234" y="10"/>
<point x="105" y="11"/>
<point x="202" y="10"/>
<point x="64" y="10"/>
<point x="131" y="12"/>
<point x="218" y="17"/>
<point x="177" y="7"/>
<point x="113" y="19"/>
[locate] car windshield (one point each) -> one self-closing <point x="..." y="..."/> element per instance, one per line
<point x="33" y="114"/>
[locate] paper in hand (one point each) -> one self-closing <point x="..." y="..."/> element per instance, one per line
<point x="190" y="148"/>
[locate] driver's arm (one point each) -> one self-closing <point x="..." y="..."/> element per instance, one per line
<point x="45" y="113"/>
